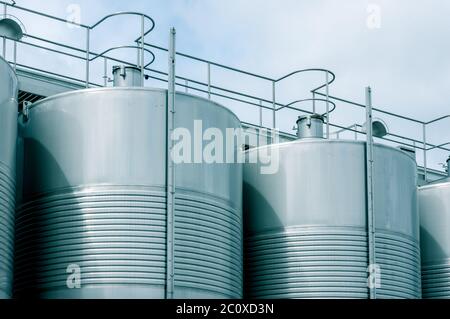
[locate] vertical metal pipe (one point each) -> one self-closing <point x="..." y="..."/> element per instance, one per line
<point x="138" y="58"/>
<point x="258" y="136"/>
<point x="274" y="105"/>
<point x="105" y="72"/>
<point x="327" y="92"/>
<point x="356" y="131"/>
<point x="424" y="136"/>
<point x="186" y="84"/>
<point x="4" y="38"/>
<point x="369" y="189"/>
<point x="209" y="80"/>
<point x="260" y="113"/>
<point x="314" y="102"/>
<point x="15" y="55"/>
<point x="170" y="168"/>
<point x="87" y="56"/>
<point x="142" y="48"/>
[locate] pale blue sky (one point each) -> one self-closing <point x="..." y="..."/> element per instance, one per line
<point x="406" y="60"/>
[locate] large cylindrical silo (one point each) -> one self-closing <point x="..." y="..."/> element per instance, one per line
<point x="434" y="208"/>
<point x="305" y="223"/>
<point x="8" y="136"/>
<point x="94" y="200"/>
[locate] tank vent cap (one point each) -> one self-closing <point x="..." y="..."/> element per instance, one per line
<point x="379" y="128"/>
<point x="126" y="76"/>
<point x="310" y="126"/>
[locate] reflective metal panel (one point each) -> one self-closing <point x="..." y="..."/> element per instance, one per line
<point x="434" y="207"/>
<point x="94" y="197"/>
<point x="8" y="136"/>
<point x="305" y="225"/>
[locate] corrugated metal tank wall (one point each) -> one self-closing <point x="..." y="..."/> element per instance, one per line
<point x="434" y="207"/>
<point x="305" y="225"/>
<point x="94" y="196"/>
<point x="8" y="136"/>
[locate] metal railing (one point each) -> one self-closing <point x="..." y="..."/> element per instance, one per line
<point x="87" y="52"/>
<point x="320" y="94"/>
<point x="422" y="145"/>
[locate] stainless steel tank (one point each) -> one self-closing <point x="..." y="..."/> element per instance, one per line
<point x="8" y="136"/>
<point x="434" y="208"/>
<point x="305" y="225"/>
<point x="93" y="206"/>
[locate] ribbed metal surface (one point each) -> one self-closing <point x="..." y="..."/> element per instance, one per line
<point x="115" y="234"/>
<point x="7" y="202"/>
<point x="330" y="263"/>
<point x="305" y="224"/>
<point x="436" y="280"/>
<point x="399" y="259"/>
<point x="434" y="206"/>
<point x="208" y="254"/>
<point x="308" y="262"/>
<point x="8" y="139"/>
<point x="94" y="195"/>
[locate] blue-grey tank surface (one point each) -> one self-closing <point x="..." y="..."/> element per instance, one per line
<point x="92" y="220"/>
<point x="8" y="137"/>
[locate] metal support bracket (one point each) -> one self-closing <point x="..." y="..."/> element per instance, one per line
<point x="26" y="110"/>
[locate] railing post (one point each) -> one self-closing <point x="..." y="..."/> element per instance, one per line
<point x="327" y="104"/>
<point x="87" y="56"/>
<point x="105" y="72"/>
<point x="138" y="57"/>
<point x="274" y="105"/>
<point x="4" y="48"/>
<point x="4" y="38"/>
<point x="15" y="55"/>
<point x="314" y="102"/>
<point x="369" y="190"/>
<point x="142" y="48"/>
<point x="424" y="135"/>
<point x="260" y="113"/>
<point x="209" y="80"/>
<point x="170" y="168"/>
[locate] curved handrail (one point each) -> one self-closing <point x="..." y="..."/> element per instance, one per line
<point x="289" y="106"/>
<point x="143" y="33"/>
<point x="333" y="76"/>
<point x="125" y="47"/>
<point x="125" y="13"/>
